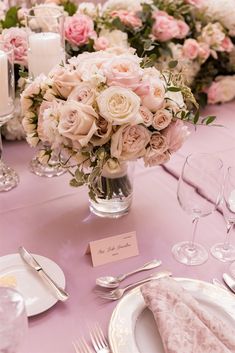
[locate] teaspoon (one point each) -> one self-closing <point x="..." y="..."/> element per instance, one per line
<point x="113" y="282"/>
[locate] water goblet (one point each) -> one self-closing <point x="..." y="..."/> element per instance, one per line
<point x="8" y="177"/>
<point x="198" y="193"/>
<point x="225" y="251"/>
<point x="13" y="320"/>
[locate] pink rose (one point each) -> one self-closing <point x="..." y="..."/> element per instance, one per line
<point x="129" y="142"/>
<point x="183" y="29"/>
<point x="123" y="71"/>
<point x="222" y="90"/>
<point x="146" y="115"/>
<point x="153" y="158"/>
<point x="158" y="142"/>
<point x="176" y="133"/>
<point x="204" y="51"/>
<point x="128" y="18"/>
<point x="212" y="93"/>
<point x="17" y="38"/>
<point x="154" y="98"/>
<point x="191" y="49"/>
<point x="101" y="43"/>
<point x="227" y="44"/>
<point x="84" y="93"/>
<point x="165" y="28"/>
<point x="161" y="119"/>
<point x="79" y="29"/>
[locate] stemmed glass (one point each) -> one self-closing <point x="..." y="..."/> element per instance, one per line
<point x="8" y="177"/>
<point x="226" y="251"/>
<point x="13" y="320"/>
<point x="199" y="193"/>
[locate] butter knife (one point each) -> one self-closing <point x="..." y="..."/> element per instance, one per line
<point x="229" y="281"/>
<point x="32" y="262"/>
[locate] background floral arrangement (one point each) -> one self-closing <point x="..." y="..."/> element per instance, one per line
<point x="197" y="34"/>
<point x="101" y="110"/>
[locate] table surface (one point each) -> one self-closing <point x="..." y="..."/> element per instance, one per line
<point x="52" y="219"/>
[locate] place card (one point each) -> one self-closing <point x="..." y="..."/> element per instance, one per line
<point x="113" y="248"/>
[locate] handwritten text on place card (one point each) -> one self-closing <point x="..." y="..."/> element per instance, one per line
<point x="113" y="248"/>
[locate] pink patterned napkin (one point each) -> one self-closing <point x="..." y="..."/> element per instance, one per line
<point x="184" y="326"/>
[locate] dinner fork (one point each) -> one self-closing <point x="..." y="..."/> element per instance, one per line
<point x="98" y="340"/>
<point x="119" y="292"/>
<point x="81" y="346"/>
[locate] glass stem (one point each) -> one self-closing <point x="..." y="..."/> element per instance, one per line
<point x="228" y="234"/>
<point x="195" y="222"/>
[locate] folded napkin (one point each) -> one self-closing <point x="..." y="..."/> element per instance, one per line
<point x="184" y="326"/>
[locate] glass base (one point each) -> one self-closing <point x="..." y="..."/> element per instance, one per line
<point x="45" y="170"/>
<point x="9" y="179"/>
<point x="222" y="254"/>
<point x="185" y="254"/>
<point x="113" y="208"/>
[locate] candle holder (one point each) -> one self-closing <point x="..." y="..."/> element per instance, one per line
<point x="46" y="49"/>
<point x="8" y="177"/>
<point x="46" y="45"/>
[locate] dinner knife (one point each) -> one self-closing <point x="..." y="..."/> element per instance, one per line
<point x="32" y="262"/>
<point x="230" y="282"/>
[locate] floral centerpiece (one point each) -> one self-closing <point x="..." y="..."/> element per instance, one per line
<point x="100" y="111"/>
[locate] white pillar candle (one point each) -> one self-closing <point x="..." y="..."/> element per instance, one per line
<point x="232" y="201"/>
<point x="45" y="51"/>
<point x="5" y="107"/>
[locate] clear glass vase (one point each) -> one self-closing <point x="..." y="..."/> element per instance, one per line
<point x="116" y="191"/>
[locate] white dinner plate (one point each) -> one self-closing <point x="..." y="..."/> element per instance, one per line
<point x="132" y="327"/>
<point x="37" y="294"/>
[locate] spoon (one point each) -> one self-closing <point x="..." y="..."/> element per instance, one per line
<point x="113" y="282"/>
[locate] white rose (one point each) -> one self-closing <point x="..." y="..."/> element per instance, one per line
<point x="84" y="93"/>
<point x="77" y="123"/>
<point x="161" y="119"/>
<point x="115" y="38"/>
<point x="32" y="139"/>
<point x="89" y="9"/>
<point x="119" y="105"/>
<point x="130" y="5"/>
<point x="46" y="17"/>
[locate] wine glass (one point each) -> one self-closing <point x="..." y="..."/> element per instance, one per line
<point x="13" y="320"/>
<point x="226" y="251"/>
<point x="199" y="193"/>
<point x="8" y="177"/>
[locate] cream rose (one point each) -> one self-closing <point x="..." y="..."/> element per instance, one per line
<point x="84" y="93"/>
<point x="64" y="80"/>
<point x="129" y="142"/>
<point x="161" y="119"/>
<point x="77" y="123"/>
<point x="115" y="38"/>
<point x="123" y="71"/>
<point x="119" y="105"/>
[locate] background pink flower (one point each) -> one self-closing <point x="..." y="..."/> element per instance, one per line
<point x="17" y="38"/>
<point x="167" y="27"/>
<point x="128" y="18"/>
<point x="79" y="29"/>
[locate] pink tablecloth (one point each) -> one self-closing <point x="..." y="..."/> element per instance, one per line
<point x="52" y="219"/>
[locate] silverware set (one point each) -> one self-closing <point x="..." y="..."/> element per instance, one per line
<point x="111" y="282"/>
<point x="228" y="280"/>
<point x="98" y="341"/>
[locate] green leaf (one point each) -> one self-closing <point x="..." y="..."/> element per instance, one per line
<point x="210" y="119"/>
<point x="172" y="64"/>
<point x="79" y="176"/>
<point x="11" y="19"/>
<point x="173" y="89"/>
<point x="70" y="7"/>
<point x="75" y="183"/>
<point x="196" y="117"/>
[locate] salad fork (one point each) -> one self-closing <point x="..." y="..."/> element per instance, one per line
<point x="119" y="292"/>
<point x="98" y="340"/>
<point x="81" y="346"/>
